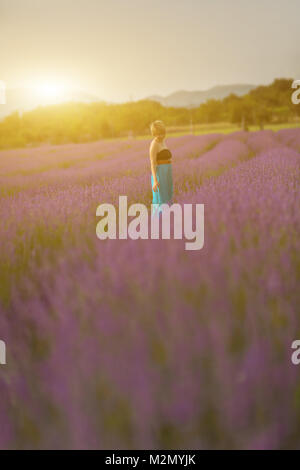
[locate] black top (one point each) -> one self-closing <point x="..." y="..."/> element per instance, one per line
<point x="163" y="155"/>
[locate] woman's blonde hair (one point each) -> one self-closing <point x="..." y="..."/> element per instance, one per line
<point x="158" y="129"/>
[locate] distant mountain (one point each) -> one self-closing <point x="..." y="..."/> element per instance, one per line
<point x="191" y="99"/>
<point x="25" y="99"/>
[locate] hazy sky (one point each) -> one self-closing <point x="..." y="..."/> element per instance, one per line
<point x="119" y="49"/>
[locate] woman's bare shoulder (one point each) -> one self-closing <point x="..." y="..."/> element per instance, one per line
<point x="154" y="145"/>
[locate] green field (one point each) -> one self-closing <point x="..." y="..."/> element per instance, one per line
<point x="222" y="127"/>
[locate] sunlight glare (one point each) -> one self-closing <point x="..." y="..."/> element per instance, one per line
<point x="50" y="92"/>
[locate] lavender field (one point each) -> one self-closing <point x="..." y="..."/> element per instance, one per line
<point x="123" y="344"/>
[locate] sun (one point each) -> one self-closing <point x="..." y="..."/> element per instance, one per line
<point x="50" y="91"/>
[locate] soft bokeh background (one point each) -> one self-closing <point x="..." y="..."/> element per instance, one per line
<point x="117" y="50"/>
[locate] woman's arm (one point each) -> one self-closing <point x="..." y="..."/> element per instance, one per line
<point x="153" y="153"/>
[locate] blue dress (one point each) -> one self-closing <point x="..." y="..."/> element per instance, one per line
<point x="164" y="193"/>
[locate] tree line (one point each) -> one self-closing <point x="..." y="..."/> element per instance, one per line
<point x="82" y="122"/>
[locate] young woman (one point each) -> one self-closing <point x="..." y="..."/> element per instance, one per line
<point x="161" y="167"/>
